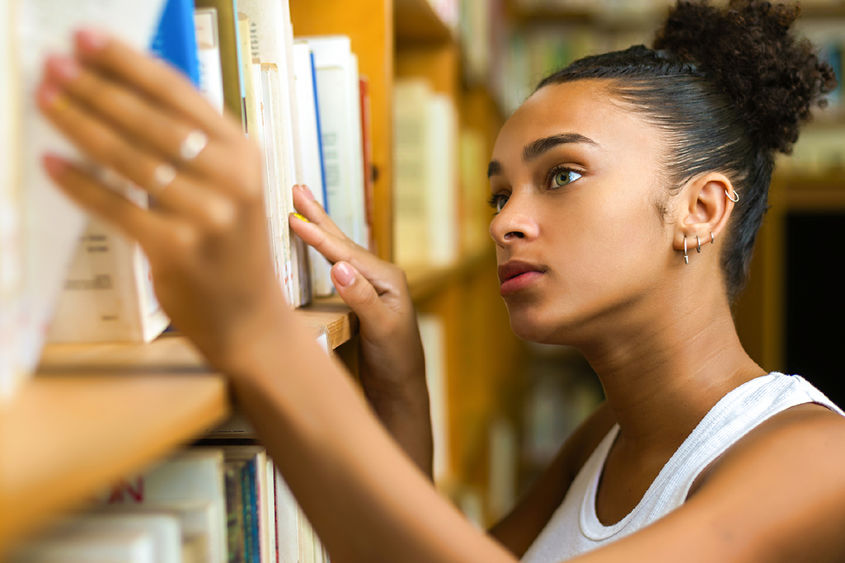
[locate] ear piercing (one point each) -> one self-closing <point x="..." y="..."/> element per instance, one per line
<point x="697" y="245"/>
<point x="735" y="197"/>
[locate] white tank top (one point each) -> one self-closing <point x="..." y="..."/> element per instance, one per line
<point x="574" y="528"/>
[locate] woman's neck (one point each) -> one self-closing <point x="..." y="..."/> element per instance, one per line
<point x="662" y="374"/>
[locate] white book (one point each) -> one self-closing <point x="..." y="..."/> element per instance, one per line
<point x="273" y="38"/>
<point x="433" y="340"/>
<point x="441" y="191"/>
<point x="67" y="545"/>
<point x="410" y="226"/>
<point x="309" y="143"/>
<point x="338" y="102"/>
<point x="208" y="56"/>
<point x="163" y="528"/>
<point x="196" y="520"/>
<point x="190" y="476"/>
<point x="287" y="522"/>
<point x="426" y="198"/>
<point x="108" y="294"/>
<point x="49" y="222"/>
<point x="11" y="211"/>
<point x="275" y="165"/>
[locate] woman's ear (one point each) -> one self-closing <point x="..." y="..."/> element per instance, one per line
<point x="703" y="209"/>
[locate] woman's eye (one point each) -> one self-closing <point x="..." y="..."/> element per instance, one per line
<point x="562" y="177"/>
<point x="498" y="201"/>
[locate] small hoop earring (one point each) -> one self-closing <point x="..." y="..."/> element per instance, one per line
<point x="712" y="238"/>
<point x="735" y="197"/>
<point x="698" y="244"/>
<point x="686" y="257"/>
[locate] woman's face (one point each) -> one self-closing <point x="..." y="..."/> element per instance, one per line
<point x="580" y="243"/>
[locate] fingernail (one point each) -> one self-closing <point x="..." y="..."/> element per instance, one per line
<point x="54" y="164"/>
<point x="306" y="191"/>
<point x="301" y="217"/>
<point x="90" y="40"/>
<point x="62" y="67"/>
<point x="49" y="95"/>
<point x="344" y="274"/>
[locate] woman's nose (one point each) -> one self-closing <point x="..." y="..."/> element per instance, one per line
<point x="514" y="222"/>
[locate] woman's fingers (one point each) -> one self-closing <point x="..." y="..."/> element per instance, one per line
<point x="337" y="247"/>
<point x="357" y="292"/>
<point x="155" y="79"/>
<point x="310" y="208"/>
<point x="82" y="186"/>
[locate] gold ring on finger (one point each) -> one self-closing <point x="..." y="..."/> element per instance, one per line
<point x="163" y="176"/>
<point x="192" y="145"/>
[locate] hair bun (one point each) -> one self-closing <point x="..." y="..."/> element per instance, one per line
<point x="748" y="51"/>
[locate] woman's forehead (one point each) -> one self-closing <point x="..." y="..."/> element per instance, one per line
<point x="582" y="107"/>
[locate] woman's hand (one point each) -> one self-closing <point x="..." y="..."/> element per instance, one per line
<point x="206" y="235"/>
<point x="392" y="363"/>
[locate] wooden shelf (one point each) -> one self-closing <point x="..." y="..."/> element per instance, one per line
<point x="415" y="21"/>
<point x="67" y="435"/>
<point x="95" y="412"/>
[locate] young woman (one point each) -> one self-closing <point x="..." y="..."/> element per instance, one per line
<point x="628" y="190"/>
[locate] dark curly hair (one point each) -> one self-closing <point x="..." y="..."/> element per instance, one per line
<point x="730" y="86"/>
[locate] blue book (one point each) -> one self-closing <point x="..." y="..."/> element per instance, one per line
<point x="323" y="187"/>
<point x="175" y="40"/>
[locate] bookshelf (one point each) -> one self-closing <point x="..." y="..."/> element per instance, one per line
<point x="95" y="412"/>
<point x="147" y="400"/>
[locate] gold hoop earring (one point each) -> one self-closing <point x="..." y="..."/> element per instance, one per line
<point x="735" y="197"/>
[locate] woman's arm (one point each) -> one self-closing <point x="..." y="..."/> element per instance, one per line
<point x="392" y="366"/>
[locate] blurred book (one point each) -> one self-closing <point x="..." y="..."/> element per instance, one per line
<point x="191" y="478"/>
<point x="338" y="103"/>
<point x="434" y="346"/>
<point x="425" y="199"/>
<point x="42" y="222"/>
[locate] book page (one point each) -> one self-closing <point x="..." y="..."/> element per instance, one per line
<point x="50" y="223"/>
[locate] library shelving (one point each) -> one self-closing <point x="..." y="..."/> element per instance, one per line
<point x="95" y="412"/>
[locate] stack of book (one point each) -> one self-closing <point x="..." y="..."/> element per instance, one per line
<point x="425" y="190"/>
<point x="206" y="504"/>
<point x="301" y="100"/>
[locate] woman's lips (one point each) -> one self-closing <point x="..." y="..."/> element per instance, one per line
<point x="519" y="282"/>
<point x="516" y="275"/>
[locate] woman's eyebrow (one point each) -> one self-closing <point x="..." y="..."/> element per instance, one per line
<point x="538" y="147"/>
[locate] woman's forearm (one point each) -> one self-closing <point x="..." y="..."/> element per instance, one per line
<point x="364" y="496"/>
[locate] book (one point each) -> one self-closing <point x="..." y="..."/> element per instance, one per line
<point x="48" y="224"/>
<point x="434" y="346"/>
<point x="108" y="294"/>
<point x="67" y="545"/>
<point x="338" y="101"/>
<point x="163" y="529"/>
<point x="196" y="518"/>
<point x="175" y="39"/>
<point x="425" y="201"/>
<point x="257" y="502"/>
<point x="208" y="56"/>
<point x="308" y="134"/>
<point x="227" y="35"/>
<point x="367" y="158"/>
<point x="191" y="478"/>
<point x="11" y="227"/>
